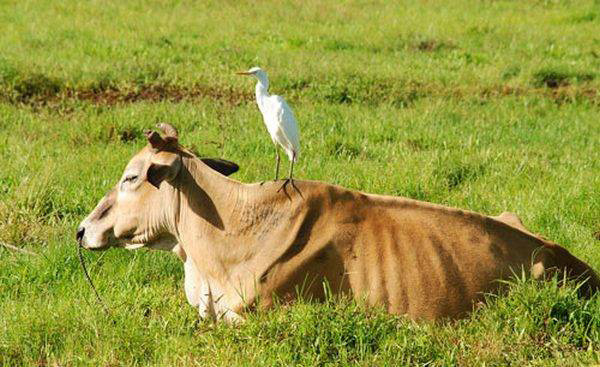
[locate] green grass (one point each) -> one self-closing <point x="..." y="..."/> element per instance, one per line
<point x="489" y="106"/>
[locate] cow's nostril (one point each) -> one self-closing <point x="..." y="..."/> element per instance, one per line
<point x="79" y="235"/>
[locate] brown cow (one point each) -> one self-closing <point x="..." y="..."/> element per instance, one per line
<point x="247" y="242"/>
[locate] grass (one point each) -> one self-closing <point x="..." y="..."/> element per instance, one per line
<point x="489" y="106"/>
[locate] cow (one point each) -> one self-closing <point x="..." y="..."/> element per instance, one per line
<point x="245" y="246"/>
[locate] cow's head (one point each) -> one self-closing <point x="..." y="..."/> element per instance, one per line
<point x="136" y="212"/>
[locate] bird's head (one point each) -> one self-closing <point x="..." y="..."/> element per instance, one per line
<point x="256" y="72"/>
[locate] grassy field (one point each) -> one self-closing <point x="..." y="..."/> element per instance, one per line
<point x="483" y="105"/>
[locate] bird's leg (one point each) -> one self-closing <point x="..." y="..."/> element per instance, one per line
<point x="278" y="159"/>
<point x="290" y="179"/>
<point x="292" y="176"/>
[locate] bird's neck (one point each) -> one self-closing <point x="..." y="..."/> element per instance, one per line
<point x="262" y="90"/>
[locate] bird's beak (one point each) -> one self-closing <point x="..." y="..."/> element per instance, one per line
<point x="243" y="73"/>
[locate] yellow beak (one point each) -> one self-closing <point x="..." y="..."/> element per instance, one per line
<point x="243" y="73"/>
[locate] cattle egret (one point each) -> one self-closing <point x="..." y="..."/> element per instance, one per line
<point x="279" y="119"/>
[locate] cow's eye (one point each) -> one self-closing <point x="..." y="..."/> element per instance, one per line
<point x="130" y="178"/>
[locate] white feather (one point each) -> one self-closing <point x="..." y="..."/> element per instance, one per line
<point x="283" y="127"/>
<point x="277" y="116"/>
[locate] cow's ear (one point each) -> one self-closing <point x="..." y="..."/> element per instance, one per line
<point x="156" y="174"/>
<point x="159" y="172"/>
<point x="222" y="166"/>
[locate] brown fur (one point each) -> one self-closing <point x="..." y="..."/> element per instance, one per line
<point x="249" y="242"/>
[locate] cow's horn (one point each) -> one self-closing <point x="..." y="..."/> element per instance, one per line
<point x="154" y="139"/>
<point x="169" y="130"/>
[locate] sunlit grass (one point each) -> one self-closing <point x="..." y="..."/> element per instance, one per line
<point x="488" y="106"/>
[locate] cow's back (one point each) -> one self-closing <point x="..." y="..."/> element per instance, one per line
<point x="431" y="262"/>
<point x="416" y="258"/>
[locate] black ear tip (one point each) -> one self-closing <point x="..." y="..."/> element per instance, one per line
<point x="233" y="168"/>
<point x="222" y="166"/>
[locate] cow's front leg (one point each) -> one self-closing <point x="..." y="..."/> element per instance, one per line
<point x="197" y="291"/>
<point x="217" y="307"/>
<point x="230" y="317"/>
<point x="206" y="304"/>
<point x="207" y="297"/>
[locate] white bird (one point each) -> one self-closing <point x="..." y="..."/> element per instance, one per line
<point x="279" y="119"/>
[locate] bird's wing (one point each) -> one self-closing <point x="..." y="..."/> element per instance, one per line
<point x="287" y="122"/>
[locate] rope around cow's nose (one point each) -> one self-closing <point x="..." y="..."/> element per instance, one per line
<point x="89" y="279"/>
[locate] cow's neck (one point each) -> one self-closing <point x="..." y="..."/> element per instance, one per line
<point x="234" y="232"/>
<point x="204" y="194"/>
<point x="212" y="213"/>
